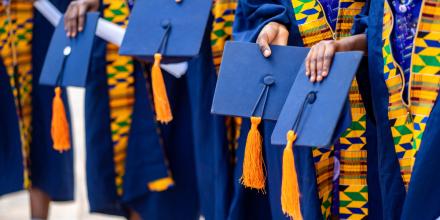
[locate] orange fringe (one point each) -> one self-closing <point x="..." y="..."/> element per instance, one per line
<point x="161" y="185"/>
<point x="60" y="126"/>
<point x="160" y="97"/>
<point x="253" y="169"/>
<point x="290" y="195"/>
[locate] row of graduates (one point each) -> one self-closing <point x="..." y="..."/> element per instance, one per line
<point x="370" y="172"/>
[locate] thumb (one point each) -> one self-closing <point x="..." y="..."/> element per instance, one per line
<point x="266" y="37"/>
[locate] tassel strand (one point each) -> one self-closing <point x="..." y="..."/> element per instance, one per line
<point x="161" y="103"/>
<point x="253" y="166"/>
<point x="60" y="126"/>
<point x="290" y="196"/>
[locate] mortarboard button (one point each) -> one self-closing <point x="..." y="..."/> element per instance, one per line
<point x="311" y="97"/>
<point x="67" y="50"/>
<point x="165" y="23"/>
<point x="269" y="80"/>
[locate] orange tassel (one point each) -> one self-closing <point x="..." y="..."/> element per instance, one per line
<point x="161" y="103"/>
<point x="290" y="195"/>
<point x="253" y="169"/>
<point x="60" y="127"/>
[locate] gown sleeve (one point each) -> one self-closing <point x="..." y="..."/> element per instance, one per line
<point x="252" y="15"/>
<point x="360" y="24"/>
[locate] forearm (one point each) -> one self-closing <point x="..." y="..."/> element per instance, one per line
<point x="355" y="42"/>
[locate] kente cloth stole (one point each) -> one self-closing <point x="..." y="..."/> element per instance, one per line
<point x="408" y="120"/>
<point x="224" y="14"/>
<point x="120" y="80"/>
<point x="352" y="190"/>
<point x="16" y="23"/>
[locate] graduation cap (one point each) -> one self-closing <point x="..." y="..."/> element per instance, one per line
<point x="166" y="31"/>
<point x="255" y="87"/>
<point x="67" y="64"/>
<point x="314" y="115"/>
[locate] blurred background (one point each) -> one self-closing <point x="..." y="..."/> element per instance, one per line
<point x="16" y="206"/>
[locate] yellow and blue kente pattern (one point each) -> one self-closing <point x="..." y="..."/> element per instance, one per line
<point x="16" y="50"/>
<point x="353" y="187"/>
<point x="120" y="81"/>
<point x="408" y="121"/>
<point x="224" y="13"/>
<point x="353" y="190"/>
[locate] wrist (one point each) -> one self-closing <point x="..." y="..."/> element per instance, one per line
<point x="343" y="45"/>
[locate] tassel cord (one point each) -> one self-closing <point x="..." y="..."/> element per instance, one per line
<point x="264" y="93"/>
<point x="60" y="128"/>
<point x="253" y="174"/>
<point x="310" y="99"/>
<point x="161" y="102"/>
<point x="290" y="193"/>
<point x="164" y="41"/>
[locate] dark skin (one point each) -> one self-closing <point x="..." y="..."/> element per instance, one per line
<point x="39" y="202"/>
<point x="74" y="21"/>
<point x="74" y="18"/>
<point x="273" y="33"/>
<point x="320" y="57"/>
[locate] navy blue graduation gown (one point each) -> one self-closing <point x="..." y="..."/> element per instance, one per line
<point x="421" y="199"/>
<point x="51" y="171"/>
<point x="145" y="153"/>
<point x="251" y="17"/>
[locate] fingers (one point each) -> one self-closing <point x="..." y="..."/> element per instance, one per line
<point x="312" y="64"/>
<point x="66" y="20"/>
<point x="308" y="58"/>
<point x="81" y="17"/>
<point x="319" y="61"/>
<point x="71" y="19"/>
<point x="328" y="58"/>
<point x="74" y="18"/>
<point x="267" y="35"/>
<point x="263" y="43"/>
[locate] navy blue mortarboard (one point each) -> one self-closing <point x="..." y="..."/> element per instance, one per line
<point x="165" y="30"/>
<point x="314" y="115"/>
<point x="67" y="59"/>
<point x="67" y="64"/>
<point x="319" y="112"/>
<point x="171" y="28"/>
<point x="251" y="85"/>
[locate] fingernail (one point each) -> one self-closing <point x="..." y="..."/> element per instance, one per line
<point x="266" y="52"/>
<point x="312" y="79"/>
<point x="307" y="73"/>
<point x="324" y="73"/>
<point x="319" y="78"/>
<point x="80" y="29"/>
